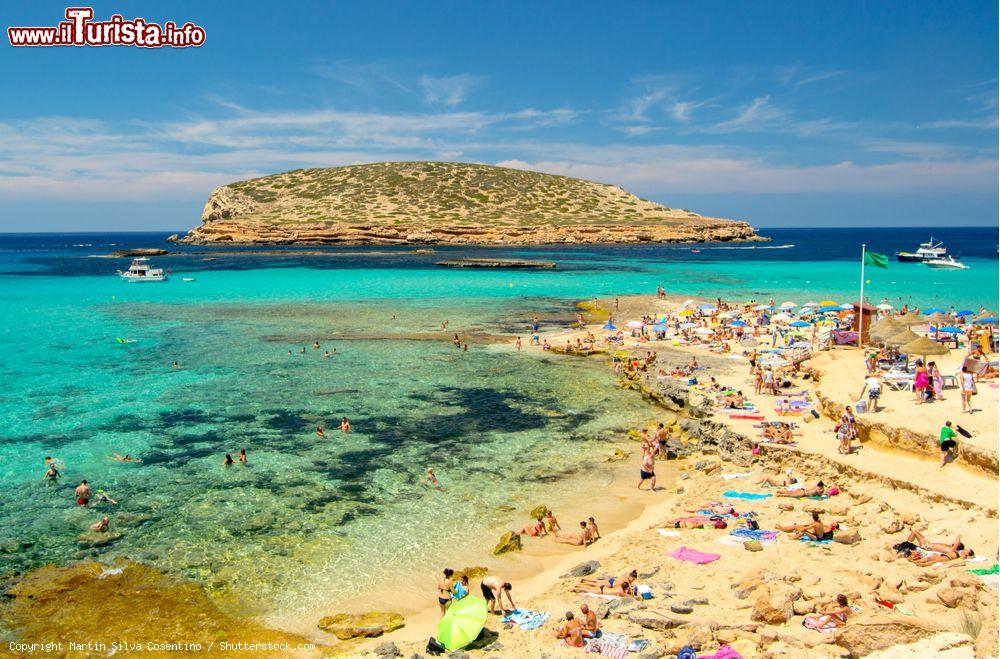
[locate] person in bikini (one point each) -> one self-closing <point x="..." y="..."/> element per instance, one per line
<point x="954" y="549"/>
<point x="800" y="491"/>
<point x="777" y="481"/>
<point x="581" y="538"/>
<point x="550" y="523"/>
<point x="444" y="588"/>
<point x="595" y="534"/>
<point x="609" y="586"/>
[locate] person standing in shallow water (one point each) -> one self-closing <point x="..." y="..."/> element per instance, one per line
<point x="228" y="461"/>
<point x="345" y="425"/>
<point x="243" y="456"/>
<point x="647" y="471"/>
<point x="82" y="493"/>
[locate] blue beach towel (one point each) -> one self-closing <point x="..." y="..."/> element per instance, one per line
<point x="815" y="542"/>
<point x="525" y="619"/>
<point x="755" y="534"/>
<point x="750" y="496"/>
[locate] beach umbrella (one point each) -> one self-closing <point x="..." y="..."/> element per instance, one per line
<point x="706" y="306"/>
<point x="761" y="307"/>
<point x="609" y="326"/>
<point x="703" y="330"/>
<point x="828" y="308"/>
<point x="828" y="303"/>
<point x="949" y="329"/>
<point x="910" y="320"/>
<point x="633" y="323"/>
<point x="687" y="304"/>
<point x="902" y="338"/>
<point x="788" y="305"/>
<point x="781" y="317"/>
<point x="738" y="323"/>
<point x="847" y="307"/>
<point x="884" y="307"/>
<point x="965" y="312"/>
<point x="923" y="346"/>
<point x="462" y="622"/>
<point x="659" y="328"/>
<point x="811" y="304"/>
<point x="986" y="320"/>
<point x="932" y="310"/>
<point x="885" y="328"/>
<point x="685" y="326"/>
<point x="938" y="319"/>
<point x="799" y="323"/>
<point x="685" y="312"/>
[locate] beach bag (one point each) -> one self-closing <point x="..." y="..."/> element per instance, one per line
<point x="644" y="591"/>
<point x="963" y="432"/>
<point x="860" y="407"/>
<point x="434" y="647"/>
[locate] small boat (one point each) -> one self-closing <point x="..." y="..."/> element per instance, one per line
<point x="142" y="271"/>
<point x="927" y="251"/>
<point x="946" y="263"/>
<point x="188" y="279"/>
<point x="696" y="251"/>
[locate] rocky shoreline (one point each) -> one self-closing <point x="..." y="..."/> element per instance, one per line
<point x="235" y="232"/>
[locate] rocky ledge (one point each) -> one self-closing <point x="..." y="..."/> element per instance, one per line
<point x="495" y="263"/>
<point x="247" y="233"/>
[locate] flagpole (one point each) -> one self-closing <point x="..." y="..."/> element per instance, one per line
<point x="861" y="300"/>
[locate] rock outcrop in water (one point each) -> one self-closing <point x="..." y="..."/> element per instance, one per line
<point x="443" y="203"/>
<point x="361" y="625"/>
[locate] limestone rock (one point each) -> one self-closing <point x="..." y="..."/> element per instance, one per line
<point x="751" y="581"/>
<point x="509" y="541"/>
<point x="871" y="632"/>
<point x="681" y="609"/>
<point x="538" y="512"/>
<point x="958" y="598"/>
<point x="361" y="625"/>
<point x="773" y="605"/>
<point x="477" y="572"/>
<point x="753" y="545"/>
<point x="851" y="537"/>
<point x="654" y="620"/>
<point x="387" y="651"/>
<point x="583" y="569"/>
<point x="803" y="607"/>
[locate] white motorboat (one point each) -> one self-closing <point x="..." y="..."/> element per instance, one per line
<point x="946" y="263"/>
<point x="141" y="271"/>
<point x="926" y="252"/>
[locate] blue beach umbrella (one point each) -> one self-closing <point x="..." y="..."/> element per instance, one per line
<point x="799" y="323"/>
<point x="609" y="326"/>
<point x="964" y="312"/>
<point x="738" y="323"/>
<point x="989" y="320"/>
<point x="950" y="330"/>
<point x="685" y="326"/>
<point x="933" y="310"/>
<point x="706" y="306"/>
<point x="828" y="309"/>
<point x="659" y="328"/>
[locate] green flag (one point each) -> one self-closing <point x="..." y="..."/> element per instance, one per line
<point x="876" y="259"/>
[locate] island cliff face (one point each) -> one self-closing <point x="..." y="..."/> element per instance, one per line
<point x="443" y="203"/>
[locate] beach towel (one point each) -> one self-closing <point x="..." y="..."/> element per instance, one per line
<point x="724" y="652"/>
<point x="983" y="571"/>
<point x="729" y="477"/>
<point x="815" y="542"/>
<point x="755" y="534"/>
<point x="638" y="645"/>
<point x="602" y="596"/>
<point x="693" y="556"/>
<point x="749" y="496"/>
<point x="525" y="619"/>
<point x="667" y="533"/>
<point x="602" y="647"/>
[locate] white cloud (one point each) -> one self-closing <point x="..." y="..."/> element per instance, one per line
<point x="448" y="90"/>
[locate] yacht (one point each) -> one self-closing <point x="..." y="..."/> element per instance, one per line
<point x="141" y="271"/>
<point x="946" y="262"/>
<point x="927" y="251"/>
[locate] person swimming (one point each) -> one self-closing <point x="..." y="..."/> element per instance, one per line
<point x="227" y="461"/>
<point x="320" y="432"/>
<point x="432" y="480"/>
<point x="243" y="456"/>
<point x="345" y="425"/>
<point x="125" y="458"/>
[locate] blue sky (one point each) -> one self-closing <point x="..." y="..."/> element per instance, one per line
<point x="783" y="114"/>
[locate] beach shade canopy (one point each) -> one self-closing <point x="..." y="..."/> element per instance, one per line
<point x="902" y="338"/>
<point x="910" y="320"/>
<point x="608" y="326"/>
<point x="987" y="320"/>
<point x="938" y="319"/>
<point x="885" y="328"/>
<point x="788" y="305"/>
<point x="633" y="323"/>
<point x="884" y="307"/>
<point x="462" y="622"/>
<point x="965" y="312"/>
<point x="923" y="346"/>
<point x="799" y="323"/>
<point x="932" y="311"/>
<point x="738" y="323"/>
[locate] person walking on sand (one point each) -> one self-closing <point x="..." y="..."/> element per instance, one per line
<point x="494" y="588"/>
<point x="647" y="471"/>
<point x="968" y="383"/>
<point x="444" y="588"/>
<point x="947" y="443"/>
<point x="921" y="381"/>
<point x="873" y="384"/>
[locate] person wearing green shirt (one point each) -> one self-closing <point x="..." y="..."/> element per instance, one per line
<point x="949" y="447"/>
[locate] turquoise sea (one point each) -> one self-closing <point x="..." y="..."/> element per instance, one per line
<point x="315" y="518"/>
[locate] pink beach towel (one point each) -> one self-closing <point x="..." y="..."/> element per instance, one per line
<point x="724" y="652"/>
<point x="693" y="556"/>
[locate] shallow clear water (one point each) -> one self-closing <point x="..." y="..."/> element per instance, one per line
<point x="314" y="518"/>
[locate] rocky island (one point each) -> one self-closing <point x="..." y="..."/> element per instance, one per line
<point x="443" y="203"/>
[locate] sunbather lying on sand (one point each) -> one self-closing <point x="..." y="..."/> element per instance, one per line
<point x="777" y="481"/>
<point x="609" y="586"/>
<point x="955" y="549"/>
<point x="698" y="522"/>
<point x="816" y="491"/>
<point x="829" y="616"/>
<point x="733" y="401"/>
<point x="717" y="508"/>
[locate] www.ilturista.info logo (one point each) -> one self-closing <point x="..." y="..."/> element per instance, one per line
<point x="80" y="30"/>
